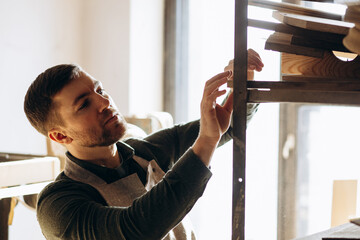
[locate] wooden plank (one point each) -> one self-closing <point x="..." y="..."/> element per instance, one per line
<point x="299" y="82"/>
<point x="284" y="28"/>
<point x="343" y="201"/>
<point x="22" y="190"/>
<point x="281" y="42"/>
<point x="324" y="97"/>
<point x="4" y="217"/>
<point x="314" y="23"/>
<point x="287" y="169"/>
<point x="309" y="86"/>
<point x="26" y="171"/>
<point x="328" y="66"/>
<point x="302" y="78"/>
<point x="239" y="120"/>
<point x="293" y="8"/>
<point x="299" y="40"/>
<point x="304" y="37"/>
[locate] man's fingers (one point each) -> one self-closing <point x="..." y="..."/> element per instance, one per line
<point x="254" y="61"/>
<point x="209" y="103"/>
<point x="253" y="52"/>
<point x="218" y="76"/>
<point x="215" y="82"/>
<point x="229" y="102"/>
<point x="216" y="94"/>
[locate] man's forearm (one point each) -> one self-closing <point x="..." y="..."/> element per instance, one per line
<point x="204" y="149"/>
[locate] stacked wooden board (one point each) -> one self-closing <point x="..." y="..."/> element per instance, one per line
<point x="293" y="8"/>
<point x="311" y="72"/>
<point x="317" y="66"/>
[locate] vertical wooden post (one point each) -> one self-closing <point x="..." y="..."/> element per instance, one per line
<point x="287" y="172"/>
<point x="239" y="120"/>
<point x="4" y="218"/>
<point x="176" y="31"/>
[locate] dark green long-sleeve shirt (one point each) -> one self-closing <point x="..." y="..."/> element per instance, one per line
<point x="68" y="209"/>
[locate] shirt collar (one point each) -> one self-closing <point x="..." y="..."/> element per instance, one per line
<point x="128" y="165"/>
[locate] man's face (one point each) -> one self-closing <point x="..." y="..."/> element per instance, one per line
<point x="89" y="115"/>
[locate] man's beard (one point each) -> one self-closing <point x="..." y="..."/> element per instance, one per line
<point x="91" y="137"/>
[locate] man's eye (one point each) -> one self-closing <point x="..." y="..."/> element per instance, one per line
<point x="84" y="105"/>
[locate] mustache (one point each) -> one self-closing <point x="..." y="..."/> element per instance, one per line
<point x="107" y="114"/>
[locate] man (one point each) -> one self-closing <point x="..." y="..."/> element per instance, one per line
<point x="113" y="189"/>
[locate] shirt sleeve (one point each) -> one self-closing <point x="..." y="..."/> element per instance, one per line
<point x="71" y="210"/>
<point x="169" y="144"/>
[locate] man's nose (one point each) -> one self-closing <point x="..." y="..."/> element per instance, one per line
<point x="103" y="102"/>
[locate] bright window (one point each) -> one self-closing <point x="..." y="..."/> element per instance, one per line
<point x="211" y="46"/>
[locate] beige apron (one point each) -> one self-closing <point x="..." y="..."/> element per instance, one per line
<point x="123" y="192"/>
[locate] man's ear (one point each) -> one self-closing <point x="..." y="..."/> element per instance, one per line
<point x="58" y="136"/>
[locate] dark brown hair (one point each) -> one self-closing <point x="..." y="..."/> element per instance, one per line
<point x="38" y="102"/>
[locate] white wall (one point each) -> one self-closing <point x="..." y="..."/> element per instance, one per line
<point x="105" y="42"/>
<point x="122" y="46"/>
<point x="34" y="35"/>
<point x="146" y="53"/>
<point x="37" y="34"/>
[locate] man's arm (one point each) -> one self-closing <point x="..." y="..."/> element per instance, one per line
<point x="215" y="119"/>
<point x="72" y="210"/>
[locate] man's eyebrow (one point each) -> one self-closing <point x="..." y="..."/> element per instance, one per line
<point x="81" y="96"/>
<point x="78" y="98"/>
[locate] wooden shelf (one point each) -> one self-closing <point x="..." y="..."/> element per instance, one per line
<point x="311" y="74"/>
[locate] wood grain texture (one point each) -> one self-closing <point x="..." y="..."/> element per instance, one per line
<point x="305" y="33"/>
<point x="293" y="8"/>
<point x="282" y="42"/>
<point x="328" y="66"/>
<point x="299" y="40"/>
<point x="319" y="79"/>
<point x="299" y="96"/>
<point x="239" y="120"/>
<point x="301" y="83"/>
<point x="307" y="85"/>
<point x="313" y="23"/>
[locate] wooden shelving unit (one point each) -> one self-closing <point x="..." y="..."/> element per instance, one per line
<point x="320" y="78"/>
